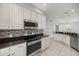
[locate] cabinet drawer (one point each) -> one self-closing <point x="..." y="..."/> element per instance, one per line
<point x="18" y="50"/>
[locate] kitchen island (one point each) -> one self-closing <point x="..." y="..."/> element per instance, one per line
<point x="74" y="39"/>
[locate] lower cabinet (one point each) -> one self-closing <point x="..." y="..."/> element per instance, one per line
<point x="45" y="43"/>
<point x="4" y="51"/>
<point x="18" y="50"/>
<point x="62" y="38"/>
<point x="15" y="50"/>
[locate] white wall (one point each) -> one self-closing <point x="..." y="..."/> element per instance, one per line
<point x="70" y="27"/>
<point x="72" y="20"/>
<point x="49" y="27"/>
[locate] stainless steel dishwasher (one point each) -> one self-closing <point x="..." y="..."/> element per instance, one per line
<point x="74" y="42"/>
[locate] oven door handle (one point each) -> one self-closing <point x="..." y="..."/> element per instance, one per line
<point x="33" y="42"/>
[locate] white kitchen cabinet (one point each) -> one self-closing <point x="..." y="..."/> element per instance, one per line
<point x="64" y="28"/>
<point x="33" y="16"/>
<point x="4" y="51"/>
<point x="43" y="22"/>
<point x="45" y="43"/>
<point x="16" y="16"/>
<point x="66" y="40"/>
<point x="62" y="38"/>
<point x="27" y="14"/>
<point x="15" y="50"/>
<point x="11" y="16"/>
<point x="39" y="21"/>
<point x="4" y="16"/>
<point x="18" y="50"/>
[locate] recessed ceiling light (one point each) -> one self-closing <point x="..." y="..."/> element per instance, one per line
<point x="66" y="13"/>
<point x="72" y="10"/>
<point x="44" y="4"/>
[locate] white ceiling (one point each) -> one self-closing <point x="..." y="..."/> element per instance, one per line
<point x="58" y="10"/>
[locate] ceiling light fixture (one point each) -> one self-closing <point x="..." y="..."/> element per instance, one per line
<point x="72" y="10"/>
<point x="66" y="13"/>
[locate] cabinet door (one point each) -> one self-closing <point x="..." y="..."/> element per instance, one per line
<point x="4" y="16"/>
<point x="39" y="21"/>
<point x="27" y="14"/>
<point x="24" y="49"/>
<point x="16" y="17"/>
<point x="44" y="43"/>
<point x="43" y="22"/>
<point x="74" y="42"/>
<point x="4" y="51"/>
<point x="33" y="16"/>
<point x="18" y="50"/>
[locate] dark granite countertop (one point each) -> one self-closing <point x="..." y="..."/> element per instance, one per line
<point x="6" y="42"/>
<point x="9" y="41"/>
<point x="68" y="33"/>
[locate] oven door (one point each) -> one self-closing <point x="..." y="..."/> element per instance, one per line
<point x="33" y="48"/>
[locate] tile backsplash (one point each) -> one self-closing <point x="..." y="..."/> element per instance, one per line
<point x="16" y="33"/>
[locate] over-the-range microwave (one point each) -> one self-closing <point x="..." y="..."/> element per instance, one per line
<point x="30" y="24"/>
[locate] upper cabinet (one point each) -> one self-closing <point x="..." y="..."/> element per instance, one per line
<point x="12" y="16"/>
<point x="16" y="16"/>
<point x="33" y="16"/>
<point x="4" y="16"/>
<point x="27" y="14"/>
<point x="41" y="22"/>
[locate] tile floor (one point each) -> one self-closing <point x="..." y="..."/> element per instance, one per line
<point x="59" y="49"/>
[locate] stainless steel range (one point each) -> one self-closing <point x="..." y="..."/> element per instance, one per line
<point x="34" y="35"/>
<point x="34" y="45"/>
